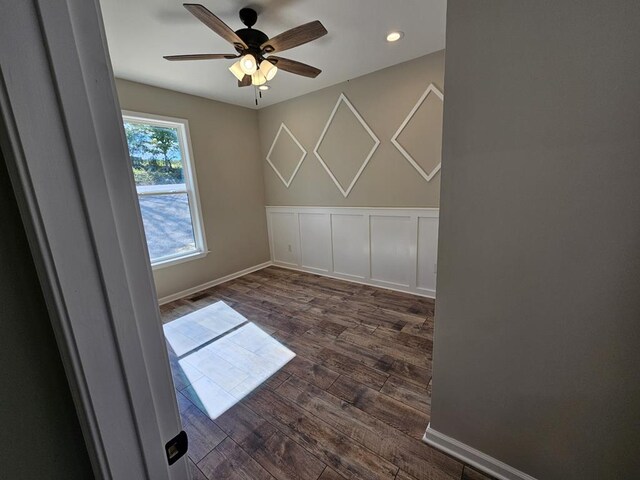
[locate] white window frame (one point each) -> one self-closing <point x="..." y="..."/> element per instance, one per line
<point x="190" y="187"/>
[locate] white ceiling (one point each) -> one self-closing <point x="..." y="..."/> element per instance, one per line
<point x="140" y="32"/>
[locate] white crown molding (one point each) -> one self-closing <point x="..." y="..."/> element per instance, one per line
<point x="304" y="154"/>
<point x="427" y="176"/>
<point x="473" y="457"/>
<point x="344" y="99"/>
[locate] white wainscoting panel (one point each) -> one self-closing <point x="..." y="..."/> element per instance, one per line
<point x="391" y="249"/>
<point x="427" y="253"/>
<point x="315" y="241"/>
<point x="285" y="236"/>
<point x="350" y="239"/>
<point x="394" y="248"/>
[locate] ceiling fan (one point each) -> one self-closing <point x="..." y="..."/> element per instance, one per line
<point x="254" y="68"/>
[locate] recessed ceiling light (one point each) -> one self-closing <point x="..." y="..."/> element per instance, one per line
<point x="264" y="87"/>
<point x="394" y="36"/>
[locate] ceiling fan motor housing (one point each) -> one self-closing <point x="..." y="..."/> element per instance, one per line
<point x="252" y="37"/>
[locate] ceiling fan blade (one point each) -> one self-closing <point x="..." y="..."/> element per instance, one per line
<point x="295" y="67"/>
<point x="200" y="56"/>
<point x="245" y="82"/>
<point x="294" y="37"/>
<point x="215" y="24"/>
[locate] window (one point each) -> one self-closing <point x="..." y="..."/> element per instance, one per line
<point x="159" y="148"/>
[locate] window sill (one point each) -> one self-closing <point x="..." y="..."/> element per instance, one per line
<point x="170" y="262"/>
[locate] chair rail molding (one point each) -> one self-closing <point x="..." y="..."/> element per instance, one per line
<point x="427" y="176"/>
<point x="376" y="142"/>
<point x="302" y="157"/>
<point x="394" y="248"/>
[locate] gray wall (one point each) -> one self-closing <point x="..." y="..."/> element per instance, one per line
<point x="229" y="172"/>
<point x="40" y="434"/>
<point x="383" y="99"/>
<point x="538" y="309"/>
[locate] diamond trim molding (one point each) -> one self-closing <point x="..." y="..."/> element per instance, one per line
<point x="427" y="176"/>
<point x="344" y="99"/>
<point x="295" y="170"/>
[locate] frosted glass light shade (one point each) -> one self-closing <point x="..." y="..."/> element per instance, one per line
<point x="268" y="69"/>
<point x="248" y="64"/>
<point x="258" y="78"/>
<point x="237" y="71"/>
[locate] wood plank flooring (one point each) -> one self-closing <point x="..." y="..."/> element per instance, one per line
<point x="353" y="404"/>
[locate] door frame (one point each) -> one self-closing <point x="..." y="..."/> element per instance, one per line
<point x="63" y="141"/>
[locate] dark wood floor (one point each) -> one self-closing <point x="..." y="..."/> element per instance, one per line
<point x="353" y="404"/>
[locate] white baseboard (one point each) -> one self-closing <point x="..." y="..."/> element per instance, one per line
<point x="212" y="283"/>
<point x="348" y="278"/>
<point x="255" y="268"/>
<point x="473" y="457"/>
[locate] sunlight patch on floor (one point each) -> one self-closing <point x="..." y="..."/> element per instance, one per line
<point x="223" y="356"/>
<point x="193" y="330"/>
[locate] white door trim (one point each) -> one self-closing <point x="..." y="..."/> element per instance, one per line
<point x="64" y="147"/>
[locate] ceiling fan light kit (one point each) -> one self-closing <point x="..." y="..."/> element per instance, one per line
<point x="256" y="66"/>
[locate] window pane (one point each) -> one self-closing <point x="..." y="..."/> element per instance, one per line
<point x="167" y="224"/>
<point x="155" y="154"/>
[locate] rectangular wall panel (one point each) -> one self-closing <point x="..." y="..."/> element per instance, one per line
<point x="427" y="254"/>
<point x="394" y="248"/>
<point x="350" y="237"/>
<point x="390" y="249"/>
<point x="285" y="237"/>
<point x="315" y="241"/>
